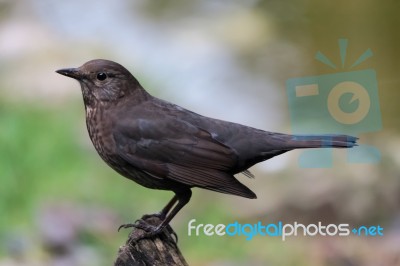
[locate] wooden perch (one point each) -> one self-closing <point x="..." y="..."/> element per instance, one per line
<point x="159" y="250"/>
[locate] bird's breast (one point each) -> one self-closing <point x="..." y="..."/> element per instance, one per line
<point x="99" y="127"/>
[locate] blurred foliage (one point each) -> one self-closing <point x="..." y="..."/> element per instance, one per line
<point x="310" y="26"/>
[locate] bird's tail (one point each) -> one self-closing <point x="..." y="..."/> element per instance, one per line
<point x="322" y="141"/>
<point x="271" y="144"/>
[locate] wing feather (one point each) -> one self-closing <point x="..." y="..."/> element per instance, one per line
<point x="189" y="155"/>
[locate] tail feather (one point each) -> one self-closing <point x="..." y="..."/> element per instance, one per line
<point x="278" y="143"/>
<point x="322" y="141"/>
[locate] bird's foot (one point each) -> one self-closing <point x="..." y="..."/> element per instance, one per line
<point x="149" y="230"/>
<point x="140" y="224"/>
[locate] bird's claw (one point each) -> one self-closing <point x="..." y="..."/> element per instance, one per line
<point x="139" y="224"/>
<point x="149" y="230"/>
<point x="125" y="226"/>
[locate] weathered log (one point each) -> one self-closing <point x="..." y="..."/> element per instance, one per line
<point x="158" y="250"/>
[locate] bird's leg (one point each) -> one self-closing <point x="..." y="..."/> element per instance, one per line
<point x="182" y="197"/>
<point x="143" y="223"/>
<point x="163" y="213"/>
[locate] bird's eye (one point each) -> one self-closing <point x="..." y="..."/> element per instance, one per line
<point x="101" y="76"/>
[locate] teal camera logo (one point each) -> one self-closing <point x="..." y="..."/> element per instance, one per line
<point x="342" y="103"/>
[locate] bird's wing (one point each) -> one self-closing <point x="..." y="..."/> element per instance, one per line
<point x="174" y="149"/>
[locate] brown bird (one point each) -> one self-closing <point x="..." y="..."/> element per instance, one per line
<point x="161" y="145"/>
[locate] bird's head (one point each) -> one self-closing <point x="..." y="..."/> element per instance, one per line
<point x="103" y="81"/>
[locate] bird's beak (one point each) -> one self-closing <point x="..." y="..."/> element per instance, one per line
<point x="70" y="72"/>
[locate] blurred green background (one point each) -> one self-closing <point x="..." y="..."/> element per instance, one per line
<point x="61" y="205"/>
